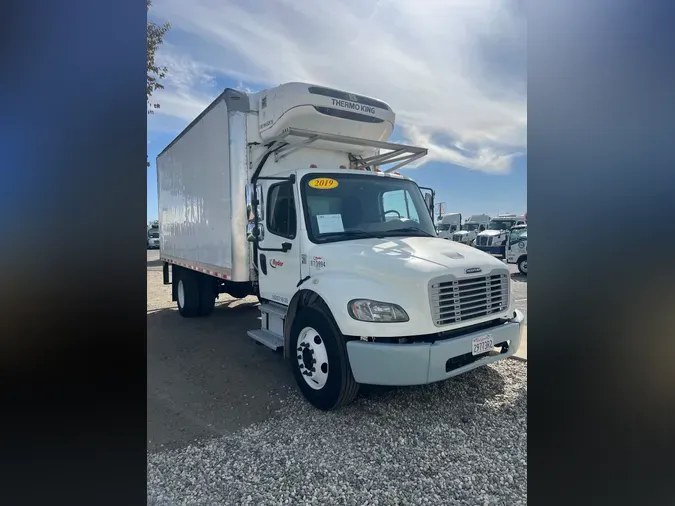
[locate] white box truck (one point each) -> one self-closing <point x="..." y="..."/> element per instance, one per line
<point x="292" y="194"/>
<point x="447" y="224"/>
<point x="153" y="235"/>
<point x="475" y="224"/>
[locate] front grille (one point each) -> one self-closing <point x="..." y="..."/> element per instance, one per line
<point x="483" y="240"/>
<point x="457" y="238"/>
<point x="460" y="300"/>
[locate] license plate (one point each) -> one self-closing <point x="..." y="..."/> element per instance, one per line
<point x="482" y="344"/>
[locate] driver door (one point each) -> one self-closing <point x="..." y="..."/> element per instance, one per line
<point x="279" y="249"/>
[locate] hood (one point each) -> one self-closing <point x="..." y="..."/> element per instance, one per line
<point x="461" y="232"/>
<point x="399" y="257"/>
<point x="492" y="233"/>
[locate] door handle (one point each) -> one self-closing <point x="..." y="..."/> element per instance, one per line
<point x="286" y="246"/>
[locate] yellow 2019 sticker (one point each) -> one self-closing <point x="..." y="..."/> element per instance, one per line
<point x="323" y="183"/>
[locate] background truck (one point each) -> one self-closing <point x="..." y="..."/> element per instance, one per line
<point x="493" y="240"/>
<point x="475" y="224"/>
<point x="516" y="249"/>
<point x="448" y="224"/>
<point x="153" y="235"/>
<point x="292" y="194"/>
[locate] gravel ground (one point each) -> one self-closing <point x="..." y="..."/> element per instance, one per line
<point x="462" y="441"/>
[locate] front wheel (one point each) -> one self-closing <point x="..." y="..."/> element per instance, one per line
<point x="522" y="266"/>
<point x="319" y="361"/>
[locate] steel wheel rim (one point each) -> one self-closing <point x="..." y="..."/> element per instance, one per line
<point x="524" y="266"/>
<point x="181" y="294"/>
<point x="312" y="358"/>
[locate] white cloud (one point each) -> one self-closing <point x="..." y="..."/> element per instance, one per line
<point x="453" y="71"/>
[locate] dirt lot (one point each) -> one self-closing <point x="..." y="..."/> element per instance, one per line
<point x="206" y="378"/>
<point x="226" y="424"/>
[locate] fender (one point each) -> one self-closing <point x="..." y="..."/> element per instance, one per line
<point x="322" y="288"/>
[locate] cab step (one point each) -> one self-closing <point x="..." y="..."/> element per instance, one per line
<point x="269" y="339"/>
<point x="274" y="309"/>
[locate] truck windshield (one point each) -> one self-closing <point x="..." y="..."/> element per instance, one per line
<point x="340" y="207"/>
<point x="517" y="235"/>
<point x="501" y="224"/>
<point x="470" y="226"/>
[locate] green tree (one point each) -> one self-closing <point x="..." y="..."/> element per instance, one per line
<point x="155" y="73"/>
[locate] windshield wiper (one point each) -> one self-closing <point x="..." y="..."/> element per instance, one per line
<point x="408" y="230"/>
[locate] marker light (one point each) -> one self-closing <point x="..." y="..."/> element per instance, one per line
<point x="312" y="166"/>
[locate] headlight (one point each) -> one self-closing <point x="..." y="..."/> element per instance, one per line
<point x="373" y="311"/>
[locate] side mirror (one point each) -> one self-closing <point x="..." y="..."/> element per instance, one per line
<point x="253" y="233"/>
<point x="429" y="201"/>
<point x="254" y="205"/>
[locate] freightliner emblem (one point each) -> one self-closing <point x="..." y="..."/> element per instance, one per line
<point x="473" y="270"/>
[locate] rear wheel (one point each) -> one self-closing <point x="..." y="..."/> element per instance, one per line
<point x="319" y="360"/>
<point x="522" y="266"/>
<point x="188" y="294"/>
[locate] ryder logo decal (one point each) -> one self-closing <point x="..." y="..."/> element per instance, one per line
<point x="318" y="263"/>
<point x="276" y="263"/>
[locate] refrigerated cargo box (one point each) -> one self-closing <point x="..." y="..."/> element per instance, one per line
<point x="196" y="176"/>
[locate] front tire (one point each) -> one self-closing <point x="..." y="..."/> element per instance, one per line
<point x="522" y="266"/>
<point x="319" y="360"/>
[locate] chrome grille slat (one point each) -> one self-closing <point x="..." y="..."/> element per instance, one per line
<point x="483" y="240"/>
<point x="470" y="312"/>
<point x="477" y="287"/>
<point x="458" y="300"/>
<point x="449" y="286"/>
<point x="482" y="300"/>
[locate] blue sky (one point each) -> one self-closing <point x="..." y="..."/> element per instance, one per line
<point x="453" y="72"/>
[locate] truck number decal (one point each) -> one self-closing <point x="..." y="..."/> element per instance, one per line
<point x="323" y="183"/>
<point x="281" y="299"/>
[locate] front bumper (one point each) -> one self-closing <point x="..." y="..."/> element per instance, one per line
<point x="418" y="364"/>
<point x="493" y="250"/>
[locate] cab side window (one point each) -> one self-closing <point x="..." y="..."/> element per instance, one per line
<point x="281" y="217"/>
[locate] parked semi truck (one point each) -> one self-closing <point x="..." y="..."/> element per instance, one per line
<point x="448" y="224"/>
<point x="153" y="235"/>
<point x="475" y="224"/>
<point x="293" y="195"/>
<point x="493" y="240"/>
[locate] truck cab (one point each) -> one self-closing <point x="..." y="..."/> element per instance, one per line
<point x="153" y="235"/>
<point x="493" y="240"/>
<point x="516" y="249"/>
<point x="354" y="284"/>
<point x="448" y="224"/>
<point x="471" y="228"/>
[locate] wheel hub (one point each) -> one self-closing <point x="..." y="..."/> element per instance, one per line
<point x="312" y="358"/>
